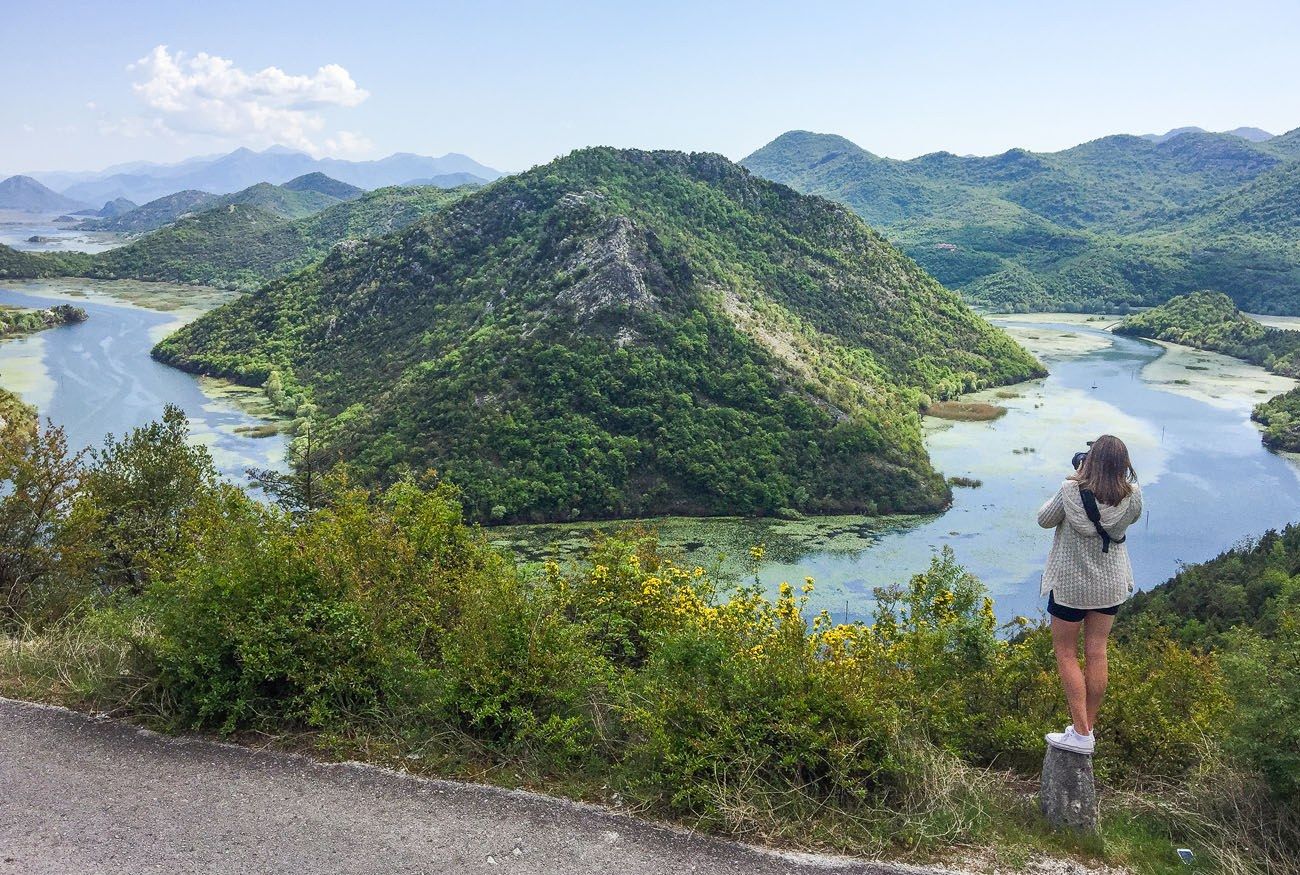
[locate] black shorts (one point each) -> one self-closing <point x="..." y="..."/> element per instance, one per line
<point x="1075" y="615"/>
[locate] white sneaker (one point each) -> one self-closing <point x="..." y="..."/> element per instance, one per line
<point x="1072" y="741"/>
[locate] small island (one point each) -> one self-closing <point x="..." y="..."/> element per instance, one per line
<point x="17" y="321"/>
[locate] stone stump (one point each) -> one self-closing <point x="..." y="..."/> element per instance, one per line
<point x="1068" y="794"/>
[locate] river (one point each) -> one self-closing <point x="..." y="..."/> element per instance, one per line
<point x="97" y="377"/>
<point x="1208" y="481"/>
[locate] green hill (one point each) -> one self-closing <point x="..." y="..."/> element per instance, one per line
<point x="1115" y="222"/>
<point x="374" y="214"/>
<point x="154" y="214"/>
<point x="621" y="333"/>
<point x="232" y="246"/>
<point x="279" y="200"/>
<point x="296" y="199"/>
<point x="238" y="245"/>
<point x="15" y="263"/>
<point x="1268" y="206"/>
<point x="322" y="184"/>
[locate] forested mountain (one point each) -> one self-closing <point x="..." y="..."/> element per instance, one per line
<point x="109" y="210"/>
<point x="154" y="214"/>
<point x="1118" y="221"/>
<point x="241" y="243"/>
<point x="296" y="199"/>
<point x="619" y="333"/>
<point x="323" y="184"/>
<point x="279" y="200"/>
<point x="26" y="194"/>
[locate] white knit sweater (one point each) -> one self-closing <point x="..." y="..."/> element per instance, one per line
<point x="1078" y="573"/>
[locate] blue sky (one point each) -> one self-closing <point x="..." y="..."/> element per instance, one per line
<point x="514" y="84"/>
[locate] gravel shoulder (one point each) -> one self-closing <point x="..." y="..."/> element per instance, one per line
<point x="85" y="795"/>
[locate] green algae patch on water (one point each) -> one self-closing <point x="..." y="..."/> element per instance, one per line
<point x="248" y="399"/>
<point x="23" y="371"/>
<point x="164" y="297"/>
<point x="1213" y="378"/>
<point x="825" y="548"/>
<point x="1046" y="340"/>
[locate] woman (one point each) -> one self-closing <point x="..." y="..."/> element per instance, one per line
<point x="1088" y="577"/>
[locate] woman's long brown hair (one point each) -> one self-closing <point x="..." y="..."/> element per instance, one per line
<point x="1107" y="471"/>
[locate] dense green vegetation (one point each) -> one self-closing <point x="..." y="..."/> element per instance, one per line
<point x="279" y="200"/>
<point x="1280" y="416"/>
<point x="1116" y="222"/>
<point x="378" y="624"/>
<point x="620" y="333"/>
<point x="296" y="199"/>
<point x="154" y="214"/>
<point x="240" y="244"/>
<point x="234" y="246"/>
<point x="15" y="263"/>
<point x="1244" y="606"/>
<point x="15" y="414"/>
<point x="16" y="321"/>
<point x="1209" y="320"/>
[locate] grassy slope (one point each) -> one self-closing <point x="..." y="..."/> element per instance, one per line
<point x="620" y="333"/>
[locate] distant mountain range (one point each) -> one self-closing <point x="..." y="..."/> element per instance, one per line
<point x="1255" y="135"/>
<point x="1119" y="221"/>
<point x="237" y="170"/>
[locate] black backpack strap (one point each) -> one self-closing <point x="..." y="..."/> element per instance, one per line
<point x="1094" y="514"/>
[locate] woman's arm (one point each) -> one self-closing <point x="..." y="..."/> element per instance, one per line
<point x="1135" y="503"/>
<point x="1052" y="514"/>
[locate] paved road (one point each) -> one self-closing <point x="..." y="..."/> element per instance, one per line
<point x="79" y="795"/>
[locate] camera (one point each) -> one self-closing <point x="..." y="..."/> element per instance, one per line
<point x="1078" y="458"/>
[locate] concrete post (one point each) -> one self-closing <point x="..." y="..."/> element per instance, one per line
<point x="1068" y="794"/>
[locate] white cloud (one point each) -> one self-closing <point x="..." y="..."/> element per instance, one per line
<point x="207" y="95"/>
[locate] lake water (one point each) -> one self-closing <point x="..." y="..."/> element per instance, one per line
<point x="1185" y="415"/>
<point x="17" y="227"/>
<point x="97" y="377"/>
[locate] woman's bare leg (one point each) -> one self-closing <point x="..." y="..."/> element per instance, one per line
<point x="1096" y="629"/>
<point x="1065" y="641"/>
